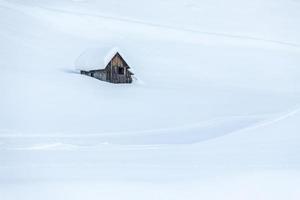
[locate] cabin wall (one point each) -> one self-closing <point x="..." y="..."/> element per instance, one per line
<point x="114" y="77"/>
<point x="113" y="71"/>
<point x="98" y="74"/>
<point x="117" y="61"/>
<point x="101" y="75"/>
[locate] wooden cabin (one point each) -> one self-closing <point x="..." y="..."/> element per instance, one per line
<point x="116" y="70"/>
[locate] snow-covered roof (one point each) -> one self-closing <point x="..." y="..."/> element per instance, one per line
<point x="96" y="58"/>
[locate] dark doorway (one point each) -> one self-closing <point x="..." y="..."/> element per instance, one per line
<point x="121" y="70"/>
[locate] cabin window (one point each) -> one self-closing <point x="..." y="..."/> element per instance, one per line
<point x="120" y="70"/>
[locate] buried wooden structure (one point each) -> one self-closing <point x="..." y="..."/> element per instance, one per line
<point x="116" y="71"/>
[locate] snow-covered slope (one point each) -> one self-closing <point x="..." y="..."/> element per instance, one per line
<point x="213" y="75"/>
<point x="214" y="101"/>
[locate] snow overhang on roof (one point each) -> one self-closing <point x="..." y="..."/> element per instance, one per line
<point x="96" y="58"/>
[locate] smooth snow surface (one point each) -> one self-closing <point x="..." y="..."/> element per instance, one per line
<point x="214" y="111"/>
